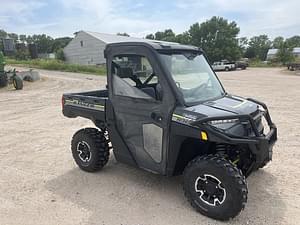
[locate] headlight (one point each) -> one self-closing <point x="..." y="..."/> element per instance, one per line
<point x="260" y="108"/>
<point x="223" y="124"/>
<point x="214" y="122"/>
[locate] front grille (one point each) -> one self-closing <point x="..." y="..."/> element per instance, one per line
<point x="257" y="117"/>
<point x="259" y="125"/>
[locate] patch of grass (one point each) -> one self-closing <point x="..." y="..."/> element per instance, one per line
<point x="297" y="60"/>
<point x="258" y="63"/>
<point x="52" y="64"/>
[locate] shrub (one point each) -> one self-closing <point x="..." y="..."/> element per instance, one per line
<point x="59" y="54"/>
<point x="285" y="55"/>
<point x="53" y="64"/>
<point x="22" y="54"/>
<point x="258" y="63"/>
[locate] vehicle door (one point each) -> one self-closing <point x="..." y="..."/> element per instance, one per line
<point x="142" y="103"/>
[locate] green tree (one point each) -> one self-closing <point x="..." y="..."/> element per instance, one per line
<point x="22" y="37"/>
<point x="258" y="47"/>
<point x="29" y="39"/>
<point x="293" y="42"/>
<point x="166" y="35"/>
<point x="250" y="53"/>
<point x="217" y="37"/>
<point x="277" y="42"/>
<point x="169" y="35"/>
<point x="123" y="34"/>
<point x="13" y="36"/>
<point x="150" y="36"/>
<point x="183" y="38"/>
<point x="285" y="54"/>
<point x="60" y="43"/>
<point x="22" y="54"/>
<point x="59" y="54"/>
<point x="3" y="34"/>
<point x="44" y="42"/>
<point x="243" y="44"/>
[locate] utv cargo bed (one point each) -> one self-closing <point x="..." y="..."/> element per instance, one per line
<point x="90" y="105"/>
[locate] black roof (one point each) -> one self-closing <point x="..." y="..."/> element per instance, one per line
<point x="158" y="45"/>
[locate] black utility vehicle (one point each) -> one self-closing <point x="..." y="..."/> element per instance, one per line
<point x="165" y="111"/>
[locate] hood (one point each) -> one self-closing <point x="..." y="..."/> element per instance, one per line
<point x="225" y="106"/>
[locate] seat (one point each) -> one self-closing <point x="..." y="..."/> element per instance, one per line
<point x="125" y="72"/>
<point x="149" y="91"/>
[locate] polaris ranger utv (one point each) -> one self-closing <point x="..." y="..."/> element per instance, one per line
<point x="165" y="111"/>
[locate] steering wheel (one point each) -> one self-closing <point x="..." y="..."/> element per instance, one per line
<point x="149" y="79"/>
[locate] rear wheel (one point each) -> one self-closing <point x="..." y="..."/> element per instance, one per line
<point x="215" y="187"/>
<point x="226" y="69"/>
<point x="18" y="83"/>
<point x="90" y="149"/>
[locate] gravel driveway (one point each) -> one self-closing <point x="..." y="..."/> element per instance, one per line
<point x="40" y="184"/>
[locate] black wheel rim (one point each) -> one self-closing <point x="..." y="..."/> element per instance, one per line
<point x="84" y="151"/>
<point x="210" y="190"/>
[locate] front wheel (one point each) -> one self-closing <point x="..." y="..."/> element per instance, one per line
<point x="90" y="149"/>
<point x="215" y="187"/>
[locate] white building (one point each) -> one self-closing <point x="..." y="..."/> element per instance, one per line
<point x="87" y="48"/>
<point x="271" y="54"/>
<point x="273" y="51"/>
<point x="296" y="51"/>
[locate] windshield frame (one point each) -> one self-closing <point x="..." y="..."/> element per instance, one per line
<point x="179" y="93"/>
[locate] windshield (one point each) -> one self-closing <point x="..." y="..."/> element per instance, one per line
<point x="193" y="77"/>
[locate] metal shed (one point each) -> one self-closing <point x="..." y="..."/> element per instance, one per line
<point x="273" y="51"/>
<point x="296" y="51"/>
<point x="87" y="48"/>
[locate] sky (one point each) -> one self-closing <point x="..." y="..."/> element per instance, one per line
<point x="59" y="18"/>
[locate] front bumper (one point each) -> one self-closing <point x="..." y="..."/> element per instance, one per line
<point x="261" y="145"/>
<point x="263" y="150"/>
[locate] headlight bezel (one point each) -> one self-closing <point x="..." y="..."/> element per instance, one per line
<point x="234" y="126"/>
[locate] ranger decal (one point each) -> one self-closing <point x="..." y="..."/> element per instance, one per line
<point x="76" y="102"/>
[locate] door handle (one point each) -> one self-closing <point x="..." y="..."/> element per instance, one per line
<point x="157" y="117"/>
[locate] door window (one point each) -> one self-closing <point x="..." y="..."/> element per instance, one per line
<point x="133" y="76"/>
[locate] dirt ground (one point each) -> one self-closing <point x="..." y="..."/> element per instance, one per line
<point x="40" y="183"/>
